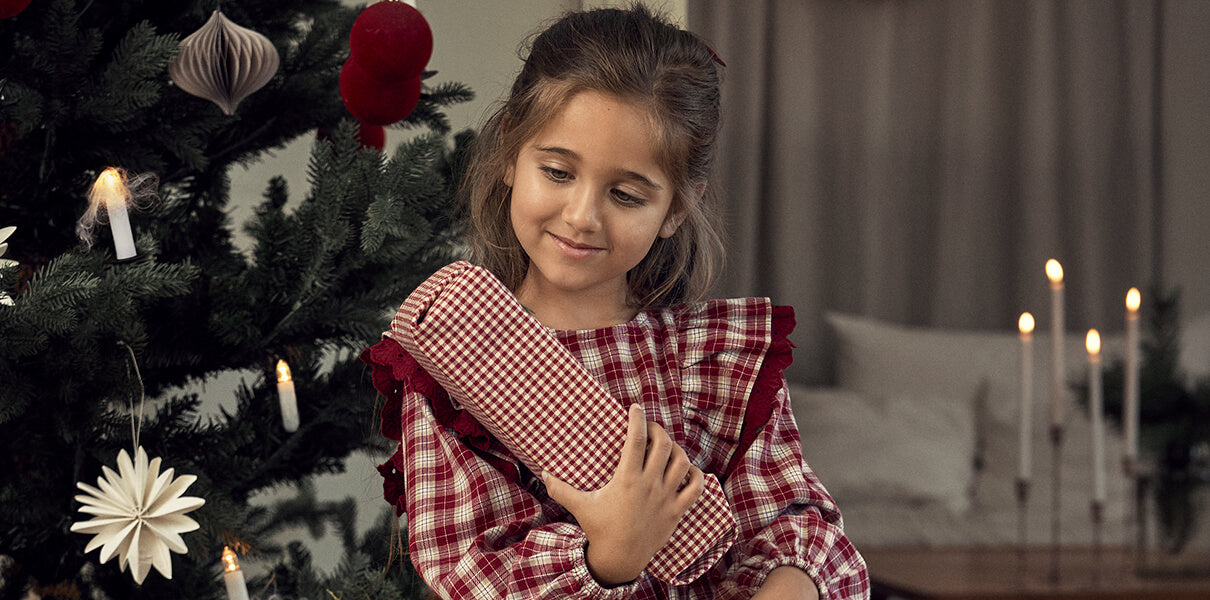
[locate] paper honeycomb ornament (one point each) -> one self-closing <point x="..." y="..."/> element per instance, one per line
<point x="224" y="63"/>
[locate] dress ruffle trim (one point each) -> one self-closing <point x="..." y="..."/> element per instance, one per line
<point x="769" y="380"/>
<point x="394" y="374"/>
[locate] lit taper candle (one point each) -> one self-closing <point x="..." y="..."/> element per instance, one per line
<point x="1130" y="385"/>
<point x="237" y="588"/>
<point x="1026" y="325"/>
<point x="1096" y="412"/>
<point x="110" y="189"/>
<point x="286" y="397"/>
<point x="1054" y="272"/>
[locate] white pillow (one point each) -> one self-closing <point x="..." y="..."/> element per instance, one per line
<point x="981" y="368"/>
<point x="903" y="449"/>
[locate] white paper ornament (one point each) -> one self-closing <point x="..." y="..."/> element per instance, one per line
<point x="4" y="233"/>
<point x="223" y="62"/>
<point x="4" y="262"/>
<point x="139" y="514"/>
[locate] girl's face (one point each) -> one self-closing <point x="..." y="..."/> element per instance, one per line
<point x="588" y="199"/>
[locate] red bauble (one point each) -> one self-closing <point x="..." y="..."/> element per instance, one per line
<point x="372" y="136"/>
<point x="10" y="8"/>
<point x="375" y="101"/>
<point x="391" y="40"/>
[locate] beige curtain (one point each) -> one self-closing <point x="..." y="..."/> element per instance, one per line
<point x="920" y="160"/>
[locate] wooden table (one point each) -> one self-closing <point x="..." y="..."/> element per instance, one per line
<point x="999" y="572"/>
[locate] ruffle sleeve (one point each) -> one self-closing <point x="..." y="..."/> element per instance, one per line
<point x="394" y="373"/>
<point x="769" y="380"/>
<point x="732" y="356"/>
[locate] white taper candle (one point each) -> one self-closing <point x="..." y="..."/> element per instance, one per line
<point x="1130" y="384"/>
<point x="1096" y="412"/>
<point x="1026" y="325"/>
<point x="1054" y="272"/>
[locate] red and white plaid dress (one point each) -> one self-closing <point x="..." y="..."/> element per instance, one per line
<point x="481" y="526"/>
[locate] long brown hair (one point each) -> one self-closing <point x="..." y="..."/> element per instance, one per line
<point x="638" y="57"/>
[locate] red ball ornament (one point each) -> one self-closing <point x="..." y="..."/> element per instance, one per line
<point x="10" y="8"/>
<point x="372" y="136"/>
<point x="375" y="101"/>
<point x="391" y="40"/>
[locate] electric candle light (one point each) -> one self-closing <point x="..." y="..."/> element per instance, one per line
<point x="1054" y="272"/>
<point x="1096" y="413"/>
<point x="1026" y="325"/>
<point x="1130" y="387"/>
<point x="286" y="397"/>
<point x="237" y="588"/>
<point x="110" y="189"/>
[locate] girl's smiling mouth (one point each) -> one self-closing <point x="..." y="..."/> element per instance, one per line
<point x="573" y="249"/>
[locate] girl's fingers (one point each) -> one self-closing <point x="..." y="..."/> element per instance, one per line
<point x="562" y="492"/>
<point x="659" y="448"/>
<point x="677" y="468"/>
<point x="692" y="490"/>
<point x="634" y="449"/>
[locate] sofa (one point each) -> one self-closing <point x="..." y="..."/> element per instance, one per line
<point x="918" y="438"/>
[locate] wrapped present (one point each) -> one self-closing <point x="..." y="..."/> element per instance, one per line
<point x="505" y="368"/>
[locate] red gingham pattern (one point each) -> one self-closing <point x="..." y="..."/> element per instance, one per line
<point x="471" y="335"/>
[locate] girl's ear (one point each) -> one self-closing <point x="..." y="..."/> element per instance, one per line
<point x="671" y="222"/>
<point x="510" y="173"/>
<point x="674" y="218"/>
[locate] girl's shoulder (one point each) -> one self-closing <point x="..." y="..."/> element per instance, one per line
<point x="734" y="323"/>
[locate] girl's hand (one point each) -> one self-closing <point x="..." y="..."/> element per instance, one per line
<point x="632" y="517"/>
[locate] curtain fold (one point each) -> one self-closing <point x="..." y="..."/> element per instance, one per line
<point x="920" y="161"/>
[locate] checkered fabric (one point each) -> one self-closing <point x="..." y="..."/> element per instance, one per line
<point x="505" y="368"/>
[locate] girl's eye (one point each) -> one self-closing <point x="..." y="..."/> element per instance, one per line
<point x="556" y="174"/>
<point x="625" y="198"/>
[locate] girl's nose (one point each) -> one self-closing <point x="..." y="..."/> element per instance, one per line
<point x="583" y="210"/>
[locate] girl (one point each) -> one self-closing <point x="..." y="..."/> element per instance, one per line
<point x="587" y="195"/>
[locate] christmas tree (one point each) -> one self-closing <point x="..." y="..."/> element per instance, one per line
<point x="92" y="348"/>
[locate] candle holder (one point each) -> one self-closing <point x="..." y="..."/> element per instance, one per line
<point x="1097" y="510"/>
<point x="1130" y="470"/>
<point x="1056" y="444"/>
<point x="1022" y="522"/>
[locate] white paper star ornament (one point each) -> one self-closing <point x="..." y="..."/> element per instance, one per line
<point x="139" y="514"/>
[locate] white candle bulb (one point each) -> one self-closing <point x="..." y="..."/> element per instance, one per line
<point x="237" y="588"/>
<point x="286" y="398"/>
<point x="1096" y="414"/>
<point x="1026" y="326"/>
<point x="1054" y="272"/>
<point x="110" y="189"/>
<point x="1130" y="384"/>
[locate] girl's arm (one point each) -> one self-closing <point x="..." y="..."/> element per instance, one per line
<point x="473" y="533"/>
<point x="787" y="519"/>
<point x="787" y="583"/>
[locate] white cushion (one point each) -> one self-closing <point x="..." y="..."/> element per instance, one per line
<point x="914" y="450"/>
<point x="981" y="368"/>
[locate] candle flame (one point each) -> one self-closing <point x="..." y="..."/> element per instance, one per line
<point x="1026" y="323"/>
<point x="1093" y="342"/>
<point x="1054" y="271"/>
<point x="230" y="562"/>
<point x="1133" y="300"/>
<point x="283" y="372"/>
<point x="109" y="188"/>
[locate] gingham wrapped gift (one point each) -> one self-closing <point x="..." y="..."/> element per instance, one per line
<point x="501" y="365"/>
